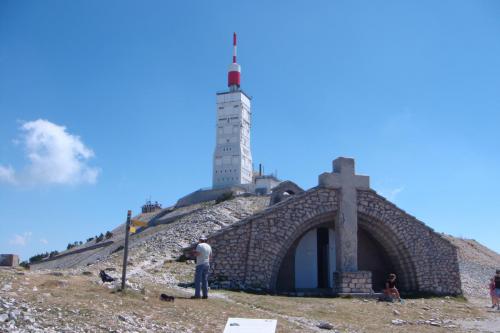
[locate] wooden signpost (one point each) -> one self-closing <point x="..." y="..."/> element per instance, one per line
<point x="130" y="228"/>
<point x="125" y="249"/>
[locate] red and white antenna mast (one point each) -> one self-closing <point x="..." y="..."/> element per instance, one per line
<point x="234" y="47"/>
<point x="234" y="73"/>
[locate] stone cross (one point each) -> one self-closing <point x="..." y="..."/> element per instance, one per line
<point x="346" y="227"/>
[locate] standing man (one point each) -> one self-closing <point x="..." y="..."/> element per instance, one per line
<point x="203" y="254"/>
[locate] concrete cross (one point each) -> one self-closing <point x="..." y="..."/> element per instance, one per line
<point x="346" y="226"/>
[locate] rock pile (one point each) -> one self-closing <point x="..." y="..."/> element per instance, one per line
<point x="15" y="314"/>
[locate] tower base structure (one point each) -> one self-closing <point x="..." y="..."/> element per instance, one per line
<point x="262" y="185"/>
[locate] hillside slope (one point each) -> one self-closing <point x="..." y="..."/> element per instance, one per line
<point x="171" y="230"/>
<point x="477" y="265"/>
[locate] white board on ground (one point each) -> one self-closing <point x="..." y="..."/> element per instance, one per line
<point x="246" y="325"/>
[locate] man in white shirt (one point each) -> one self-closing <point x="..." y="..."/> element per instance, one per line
<point x="203" y="254"/>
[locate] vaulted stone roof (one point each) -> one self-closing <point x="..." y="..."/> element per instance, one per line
<point x="249" y="253"/>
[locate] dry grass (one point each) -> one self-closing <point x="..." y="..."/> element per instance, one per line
<point x="364" y="315"/>
<point x="81" y="299"/>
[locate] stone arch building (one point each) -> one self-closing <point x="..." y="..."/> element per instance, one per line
<point x="284" y="191"/>
<point x="340" y="236"/>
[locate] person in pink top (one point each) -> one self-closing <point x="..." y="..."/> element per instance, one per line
<point x="496" y="283"/>
<point x="494" y="298"/>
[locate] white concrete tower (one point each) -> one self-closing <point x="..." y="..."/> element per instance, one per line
<point x="232" y="156"/>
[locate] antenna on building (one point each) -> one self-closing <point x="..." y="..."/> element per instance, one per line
<point x="234" y="47"/>
<point x="260" y="169"/>
<point x="234" y="73"/>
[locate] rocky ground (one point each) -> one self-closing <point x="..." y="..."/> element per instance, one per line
<point x="77" y="301"/>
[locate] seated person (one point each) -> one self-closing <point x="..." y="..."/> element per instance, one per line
<point x="390" y="287"/>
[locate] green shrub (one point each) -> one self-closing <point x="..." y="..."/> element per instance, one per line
<point x="224" y="196"/>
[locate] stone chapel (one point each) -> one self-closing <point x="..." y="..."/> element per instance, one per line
<point x="338" y="237"/>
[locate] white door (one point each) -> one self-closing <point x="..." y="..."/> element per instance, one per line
<point x="332" y="264"/>
<point x="306" y="261"/>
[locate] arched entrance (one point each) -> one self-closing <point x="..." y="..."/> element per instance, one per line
<point x="309" y="261"/>
<point x="393" y="255"/>
<point x="315" y="259"/>
<point x="374" y="258"/>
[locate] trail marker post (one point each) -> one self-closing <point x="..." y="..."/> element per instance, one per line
<point x="125" y="249"/>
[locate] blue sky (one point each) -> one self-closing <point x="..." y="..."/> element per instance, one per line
<point x="105" y="104"/>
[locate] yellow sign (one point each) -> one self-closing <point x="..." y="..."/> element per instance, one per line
<point x="132" y="230"/>
<point x="138" y="223"/>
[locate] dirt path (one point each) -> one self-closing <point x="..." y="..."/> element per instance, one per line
<point x="490" y="324"/>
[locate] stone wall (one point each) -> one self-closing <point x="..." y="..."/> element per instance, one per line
<point x="284" y="191"/>
<point x="424" y="260"/>
<point x="249" y="254"/>
<point x="353" y="282"/>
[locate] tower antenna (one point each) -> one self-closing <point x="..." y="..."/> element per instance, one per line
<point x="234" y="47"/>
<point x="234" y="72"/>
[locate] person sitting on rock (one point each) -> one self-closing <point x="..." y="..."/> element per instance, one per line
<point x="203" y="253"/>
<point x="390" y="287"/>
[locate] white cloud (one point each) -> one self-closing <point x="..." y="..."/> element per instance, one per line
<point x="7" y="174"/>
<point x="21" y="240"/>
<point x="44" y="241"/>
<point x="55" y="157"/>
<point x="392" y="193"/>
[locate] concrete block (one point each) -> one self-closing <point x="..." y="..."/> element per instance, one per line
<point x="10" y="260"/>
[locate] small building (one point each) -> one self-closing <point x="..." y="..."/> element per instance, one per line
<point x="9" y="260"/>
<point x="150" y="207"/>
<point x="265" y="183"/>
<point x="338" y="237"/>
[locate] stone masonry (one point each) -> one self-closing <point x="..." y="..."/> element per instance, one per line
<point x="359" y="282"/>
<point x="426" y="261"/>
<point x="249" y="253"/>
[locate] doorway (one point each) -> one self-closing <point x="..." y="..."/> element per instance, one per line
<point x="315" y="259"/>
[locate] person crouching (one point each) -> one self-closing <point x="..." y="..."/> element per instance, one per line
<point x="390" y="288"/>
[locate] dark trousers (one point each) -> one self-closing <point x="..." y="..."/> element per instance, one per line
<point x="201" y="280"/>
